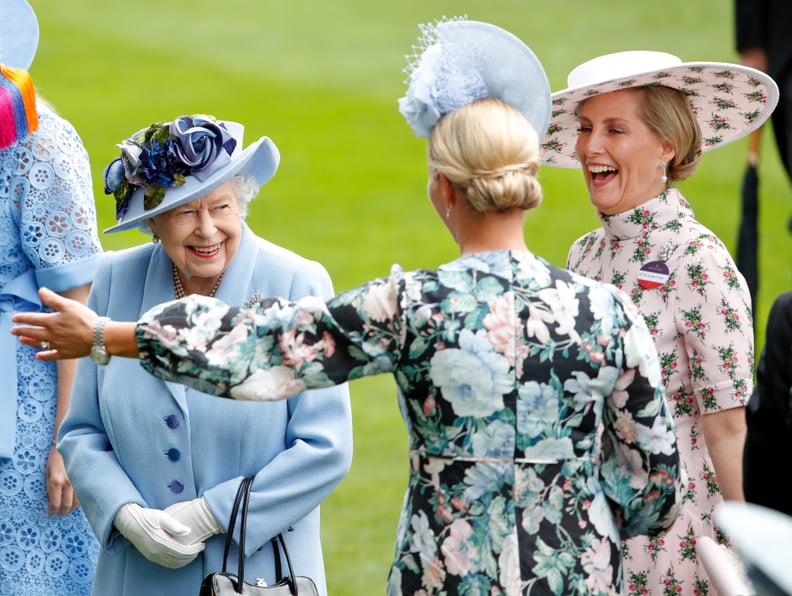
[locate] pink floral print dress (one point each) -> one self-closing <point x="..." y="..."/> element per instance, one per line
<point x="698" y="310"/>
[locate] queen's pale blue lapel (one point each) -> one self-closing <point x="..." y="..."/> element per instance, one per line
<point x="233" y="290"/>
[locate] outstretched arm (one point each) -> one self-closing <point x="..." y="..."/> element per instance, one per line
<point x="70" y="329"/>
<point x="272" y="350"/>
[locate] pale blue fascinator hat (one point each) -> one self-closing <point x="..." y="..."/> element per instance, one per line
<point x="457" y="61"/>
<point x="170" y="164"/>
<point x="19" y="34"/>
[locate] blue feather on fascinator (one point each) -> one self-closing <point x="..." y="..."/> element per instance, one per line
<point x="457" y="61"/>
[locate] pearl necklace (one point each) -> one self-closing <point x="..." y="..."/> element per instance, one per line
<point x="178" y="288"/>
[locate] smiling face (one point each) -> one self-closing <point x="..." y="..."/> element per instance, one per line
<point x="620" y="155"/>
<point x="201" y="237"/>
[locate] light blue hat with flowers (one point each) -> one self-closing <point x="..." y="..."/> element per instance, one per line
<point x="19" y="34"/>
<point x="457" y="61"/>
<point x="170" y="164"/>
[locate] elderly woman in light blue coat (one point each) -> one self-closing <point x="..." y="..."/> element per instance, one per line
<point x="156" y="465"/>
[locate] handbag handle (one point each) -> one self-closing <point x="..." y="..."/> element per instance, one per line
<point x="292" y="579"/>
<point x="241" y="500"/>
<point x="240" y="509"/>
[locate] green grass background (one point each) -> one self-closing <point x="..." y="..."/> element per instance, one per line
<point x="322" y="80"/>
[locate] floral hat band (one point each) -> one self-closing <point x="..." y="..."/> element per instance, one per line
<point x="160" y="156"/>
<point x="728" y="100"/>
<point x="169" y="164"/>
<point x="457" y="61"/>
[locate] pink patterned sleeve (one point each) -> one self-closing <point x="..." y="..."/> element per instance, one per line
<point x="714" y="319"/>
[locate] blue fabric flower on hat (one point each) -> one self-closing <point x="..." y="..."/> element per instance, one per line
<point x="418" y="106"/>
<point x="162" y="155"/>
<point x="201" y="144"/>
<point x="442" y="76"/>
<point x="442" y="81"/>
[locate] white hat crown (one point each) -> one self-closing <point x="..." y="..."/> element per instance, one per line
<point x="620" y="65"/>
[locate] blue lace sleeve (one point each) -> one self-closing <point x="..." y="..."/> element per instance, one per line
<point x="57" y="218"/>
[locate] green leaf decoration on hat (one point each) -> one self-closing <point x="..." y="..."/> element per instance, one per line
<point x="161" y="156"/>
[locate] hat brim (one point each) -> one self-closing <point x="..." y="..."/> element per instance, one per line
<point x="763" y="539"/>
<point x="728" y="100"/>
<point x="19" y="34"/>
<point x="259" y="159"/>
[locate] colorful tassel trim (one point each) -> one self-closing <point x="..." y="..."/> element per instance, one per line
<point x="18" y="116"/>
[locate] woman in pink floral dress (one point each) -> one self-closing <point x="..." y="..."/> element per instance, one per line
<point x="637" y="122"/>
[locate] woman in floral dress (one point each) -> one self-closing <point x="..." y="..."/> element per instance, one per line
<point x="538" y="430"/>
<point x="634" y="138"/>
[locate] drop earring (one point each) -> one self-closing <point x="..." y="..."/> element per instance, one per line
<point x="448" y="211"/>
<point x="664" y="177"/>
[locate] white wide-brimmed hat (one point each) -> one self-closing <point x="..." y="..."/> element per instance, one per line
<point x="19" y="34"/>
<point x="457" y="61"/>
<point x="728" y="100"/>
<point x="170" y="164"/>
<point x="763" y="539"/>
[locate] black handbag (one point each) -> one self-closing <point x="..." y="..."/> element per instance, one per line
<point x="223" y="583"/>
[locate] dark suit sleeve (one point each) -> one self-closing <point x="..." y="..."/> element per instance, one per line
<point x="768" y="445"/>
<point x="749" y="24"/>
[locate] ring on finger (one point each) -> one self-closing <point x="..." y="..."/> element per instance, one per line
<point x="45" y="345"/>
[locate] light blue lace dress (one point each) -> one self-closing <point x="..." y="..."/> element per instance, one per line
<point x="47" y="237"/>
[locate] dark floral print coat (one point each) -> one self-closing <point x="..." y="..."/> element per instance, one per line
<point x="539" y="433"/>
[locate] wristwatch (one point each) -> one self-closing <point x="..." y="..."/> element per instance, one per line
<point x="98" y="351"/>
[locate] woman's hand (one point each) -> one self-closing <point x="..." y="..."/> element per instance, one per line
<point x="69" y="330"/>
<point x="62" y="500"/>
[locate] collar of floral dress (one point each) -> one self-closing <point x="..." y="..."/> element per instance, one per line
<point x="647" y="218"/>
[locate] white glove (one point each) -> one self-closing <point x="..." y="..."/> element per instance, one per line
<point x="154" y="533"/>
<point x="198" y="517"/>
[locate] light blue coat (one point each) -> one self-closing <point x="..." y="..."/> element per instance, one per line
<point x="129" y="437"/>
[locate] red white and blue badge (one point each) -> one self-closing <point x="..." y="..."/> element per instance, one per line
<point x="653" y="275"/>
